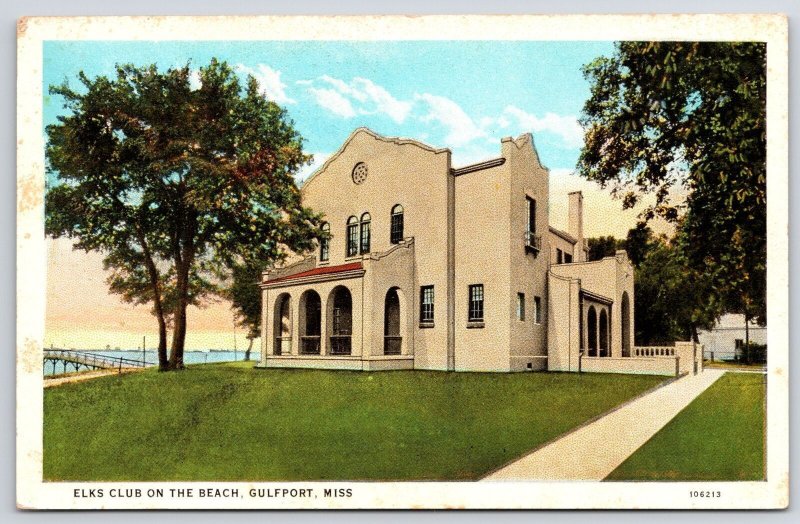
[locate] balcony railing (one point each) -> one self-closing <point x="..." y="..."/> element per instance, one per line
<point x="654" y="351"/>
<point x="283" y="345"/>
<point x="309" y="345"/>
<point x="392" y="345"/>
<point x="533" y="242"/>
<point x="340" y="345"/>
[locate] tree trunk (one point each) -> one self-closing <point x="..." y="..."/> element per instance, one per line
<point x="695" y="336"/>
<point x="163" y="363"/>
<point x="249" y="348"/>
<point x="179" y="331"/>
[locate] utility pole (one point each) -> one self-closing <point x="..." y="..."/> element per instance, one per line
<point x="144" y="349"/>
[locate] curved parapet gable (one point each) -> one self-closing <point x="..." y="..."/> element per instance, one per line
<point x="366" y="131"/>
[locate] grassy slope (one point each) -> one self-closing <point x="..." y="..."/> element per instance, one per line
<point x="230" y="422"/>
<point x="719" y="436"/>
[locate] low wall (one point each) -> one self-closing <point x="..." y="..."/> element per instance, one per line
<point x="634" y="365"/>
<point x="378" y="363"/>
<point x="690" y="357"/>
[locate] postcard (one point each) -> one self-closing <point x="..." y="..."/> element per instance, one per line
<point x="396" y="262"/>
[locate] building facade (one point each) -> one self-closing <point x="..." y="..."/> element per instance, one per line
<point x="434" y="267"/>
<point x="727" y="339"/>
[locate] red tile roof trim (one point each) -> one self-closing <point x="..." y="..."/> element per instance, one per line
<point x="324" y="270"/>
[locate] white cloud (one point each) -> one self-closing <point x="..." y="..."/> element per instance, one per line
<point x="384" y="102"/>
<point x="269" y="83"/>
<point x="344" y="88"/>
<point x="316" y="163"/>
<point x="366" y="97"/>
<point x="461" y="129"/>
<point x="566" y="127"/>
<point x="333" y="102"/>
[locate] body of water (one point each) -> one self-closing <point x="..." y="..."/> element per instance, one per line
<point x="189" y="357"/>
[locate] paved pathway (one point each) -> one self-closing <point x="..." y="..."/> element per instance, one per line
<point x="595" y="450"/>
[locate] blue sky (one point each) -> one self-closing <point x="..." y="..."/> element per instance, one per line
<point x="464" y="95"/>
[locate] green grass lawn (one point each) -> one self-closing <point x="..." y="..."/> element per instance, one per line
<point x="728" y="364"/>
<point x="719" y="436"/>
<point x="232" y="422"/>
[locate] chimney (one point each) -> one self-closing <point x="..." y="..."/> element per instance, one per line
<point x="576" y="224"/>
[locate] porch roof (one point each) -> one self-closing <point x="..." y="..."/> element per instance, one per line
<point x="322" y="270"/>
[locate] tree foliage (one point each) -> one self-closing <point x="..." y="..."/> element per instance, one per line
<point x="685" y="122"/>
<point x="176" y="184"/>
<point x="601" y="247"/>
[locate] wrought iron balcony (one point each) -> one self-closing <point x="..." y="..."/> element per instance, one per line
<point x="533" y="242"/>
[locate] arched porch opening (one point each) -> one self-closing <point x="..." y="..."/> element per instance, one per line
<point x="392" y="338"/>
<point x="626" y="325"/>
<point x="341" y="321"/>
<point x="310" y="322"/>
<point x="604" y="346"/>
<point x="282" y="325"/>
<point x="591" y="332"/>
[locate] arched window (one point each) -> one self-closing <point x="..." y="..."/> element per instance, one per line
<point x="626" y="325"/>
<point x="396" y="229"/>
<point x="341" y="325"/>
<point x="604" y="345"/>
<point x="365" y="236"/>
<point x="591" y="331"/>
<point x="325" y="243"/>
<point x="352" y="236"/>
<point x="283" y="325"/>
<point x="310" y="322"/>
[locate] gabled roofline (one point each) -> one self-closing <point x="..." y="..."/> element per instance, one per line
<point x="389" y="139"/>
<point x="521" y="141"/>
<point x="563" y="234"/>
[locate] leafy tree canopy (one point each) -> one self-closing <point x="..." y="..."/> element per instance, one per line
<point x="175" y="183"/>
<point x="689" y="118"/>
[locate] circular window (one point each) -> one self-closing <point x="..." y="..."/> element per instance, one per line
<point x="360" y="173"/>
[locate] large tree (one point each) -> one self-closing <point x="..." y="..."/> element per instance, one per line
<point x="685" y="122"/>
<point x="176" y="181"/>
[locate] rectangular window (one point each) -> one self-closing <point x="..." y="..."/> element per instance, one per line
<point x="567" y="258"/>
<point x="559" y="256"/>
<point x="365" y="237"/>
<point x="476" y="303"/>
<point x="531" y="212"/>
<point x="520" y="306"/>
<point x="537" y="310"/>
<point x="396" y="232"/>
<point x="426" y="304"/>
<point x="352" y="240"/>
<point x="324" y="249"/>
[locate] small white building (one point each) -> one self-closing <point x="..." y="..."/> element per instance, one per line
<point x="726" y="340"/>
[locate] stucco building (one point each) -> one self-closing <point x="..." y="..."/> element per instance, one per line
<point x="434" y="267"/>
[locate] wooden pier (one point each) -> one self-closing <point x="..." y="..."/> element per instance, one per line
<point x="77" y="359"/>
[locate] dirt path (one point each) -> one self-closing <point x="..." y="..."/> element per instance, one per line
<point x="593" y="451"/>
<point x="88" y="375"/>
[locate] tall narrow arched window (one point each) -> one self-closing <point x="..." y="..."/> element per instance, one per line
<point x="365" y="236"/>
<point x="396" y="229"/>
<point x="325" y="243"/>
<point x="352" y="236"/>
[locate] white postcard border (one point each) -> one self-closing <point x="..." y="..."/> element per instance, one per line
<point x="32" y="492"/>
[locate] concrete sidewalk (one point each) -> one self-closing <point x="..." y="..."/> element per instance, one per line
<point x="595" y="450"/>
